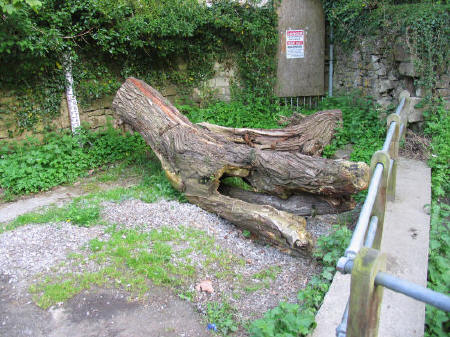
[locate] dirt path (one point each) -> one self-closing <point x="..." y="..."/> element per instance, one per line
<point x="57" y="196"/>
<point x="100" y="313"/>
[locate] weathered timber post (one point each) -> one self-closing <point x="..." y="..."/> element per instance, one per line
<point x="393" y="153"/>
<point x="380" y="201"/>
<point x="365" y="297"/>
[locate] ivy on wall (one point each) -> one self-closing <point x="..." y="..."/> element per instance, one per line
<point x="160" y="41"/>
<point x="425" y="24"/>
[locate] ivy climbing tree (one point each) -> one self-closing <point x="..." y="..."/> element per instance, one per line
<point x="163" y="42"/>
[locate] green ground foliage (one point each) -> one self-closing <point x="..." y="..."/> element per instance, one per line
<point x="32" y="166"/>
<point x="161" y="42"/>
<point x="438" y="127"/>
<point x="246" y="110"/>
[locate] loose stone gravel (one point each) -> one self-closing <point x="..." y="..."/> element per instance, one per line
<point x="33" y="249"/>
<point x="294" y="275"/>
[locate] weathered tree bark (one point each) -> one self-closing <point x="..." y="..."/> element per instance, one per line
<point x="195" y="160"/>
<point x="299" y="204"/>
<point x="309" y="137"/>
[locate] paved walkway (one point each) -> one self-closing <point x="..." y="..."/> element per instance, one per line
<point x="405" y="242"/>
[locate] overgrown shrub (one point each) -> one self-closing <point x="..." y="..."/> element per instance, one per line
<point x="438" y="127"/>
<point x="33" y="166"/>
<point x="162" y="42"/>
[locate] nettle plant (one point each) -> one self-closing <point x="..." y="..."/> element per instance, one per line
<point x="162" y="42"/>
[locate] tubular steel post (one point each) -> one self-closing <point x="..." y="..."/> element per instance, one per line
<point x="365" y="296"/>
<point x="379" y="206"/>
<point x="393" y="120"/>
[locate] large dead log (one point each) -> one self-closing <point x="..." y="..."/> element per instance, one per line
<point x="299" y="204"/>
<point x="196" y="159"/>
<point x="308" y="137"/>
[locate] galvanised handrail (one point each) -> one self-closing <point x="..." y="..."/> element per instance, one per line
<point x="367" y="264"/>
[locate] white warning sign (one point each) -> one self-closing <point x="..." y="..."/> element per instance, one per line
<point x="295" y="44"/>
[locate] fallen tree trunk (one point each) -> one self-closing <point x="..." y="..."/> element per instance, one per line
<point x="309" y="137"/>
<point x="197" y="158"/>
<point x="300" y="204"/>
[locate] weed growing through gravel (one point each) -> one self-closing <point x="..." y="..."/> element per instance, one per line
<point x="134" y="259"/>
<point x="222" y="314"/>
<point x="298" y="319"/>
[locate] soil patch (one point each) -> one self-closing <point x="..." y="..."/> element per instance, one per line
<point x="101" y="313"/>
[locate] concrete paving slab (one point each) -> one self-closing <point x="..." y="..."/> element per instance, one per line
<point x="330" y="313"/>
<point x="405" y="241"/>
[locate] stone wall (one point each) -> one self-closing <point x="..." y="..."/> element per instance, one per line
<point x="96" y="115"/>
<point x="99" y="112"/>
<point x="383" y="70"/>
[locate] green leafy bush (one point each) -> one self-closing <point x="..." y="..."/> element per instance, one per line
<point x="298" y="319"/>
<point x="362" y="126"/>
<point x="162" y="42"/>
<point x="245" y="111"/>
<point x="437" y="322"/>
<point x="33" y="166"/>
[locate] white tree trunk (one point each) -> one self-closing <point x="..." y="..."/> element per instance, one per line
<point x="72" y="105"/>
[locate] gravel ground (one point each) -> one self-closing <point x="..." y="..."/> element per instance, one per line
<point x="295" y="271"/>
<point x="35" y="250"/>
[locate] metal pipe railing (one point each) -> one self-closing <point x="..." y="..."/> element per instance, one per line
<point x="438" y="300"/>
<point x="359" y="318"/>
<point x="371" y="232"/>
<point x="389" y="135"/>
<point x="366" y="210"/>
<point x="368" y="233"/>
<point x="341" y="330"/>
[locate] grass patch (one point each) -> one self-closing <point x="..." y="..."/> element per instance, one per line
<point x="134" y="260"/>
<point x="79" y="212"/>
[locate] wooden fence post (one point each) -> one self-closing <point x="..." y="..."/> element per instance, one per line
<point x="365" y="297"/>
<point x="379" y="206"/>
<point x="393" y="153"/>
